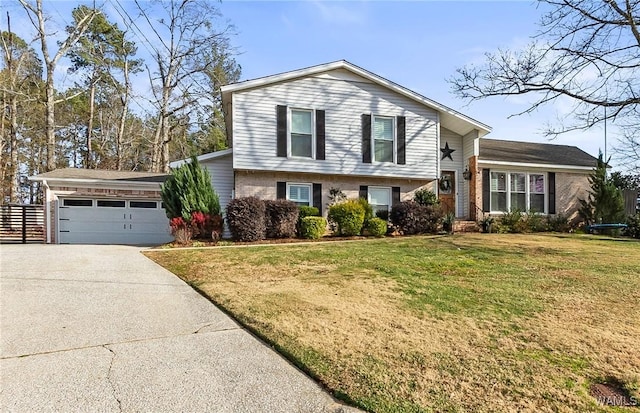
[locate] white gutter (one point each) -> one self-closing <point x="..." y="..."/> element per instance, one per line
<point x="47" y="213"/>
<point x="535" y="165"/>
<point x="116" y="184"/>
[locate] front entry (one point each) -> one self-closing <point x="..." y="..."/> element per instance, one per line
<point x="447" y="191"/>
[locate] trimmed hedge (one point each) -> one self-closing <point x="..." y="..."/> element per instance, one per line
<point x="348" y="216"/>
<point x="281" y="218"/>
<point x="308" y="211"/>
<point x="313" y="227"/>
<point x="246" y="219"/>
<point x="410" y="218"/>
<point x="377" y="227"/>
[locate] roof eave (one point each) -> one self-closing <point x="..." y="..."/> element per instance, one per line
<point x="488" y="162"/>
<point x="111" y="183"/>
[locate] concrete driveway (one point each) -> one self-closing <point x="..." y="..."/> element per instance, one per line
<point x="102" y="328"/>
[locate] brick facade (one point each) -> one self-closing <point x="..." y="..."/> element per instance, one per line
<point x="263" y="184"/>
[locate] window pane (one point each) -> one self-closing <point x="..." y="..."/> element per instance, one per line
<point x="498" y="182"/>
<point x="301" y="145"/>
<point x="383" y="151"/>
<point x="536" y="203"/>
<point x="300" y="194"/>
<point x="517" y="183"/>
<point x="379" y="196"/>
<point x="143" y="204"/>
<point x="518" y="201"/>
<point x="78" y="202"/>
<point x="498" y="201"/>
<point x="301" y="122"/>
<point x="110" y="204"/>
<point x="383" y="128"/>
<point x="536" y="184"/>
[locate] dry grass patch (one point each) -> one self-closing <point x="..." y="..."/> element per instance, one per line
<point x="463" y="323"/>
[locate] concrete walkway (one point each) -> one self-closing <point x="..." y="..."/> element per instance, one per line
<point x="102" y="328"/>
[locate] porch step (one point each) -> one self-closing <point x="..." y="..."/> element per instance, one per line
<point x="465" y="226"/>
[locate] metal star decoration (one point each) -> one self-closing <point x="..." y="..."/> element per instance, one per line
<point x="446" y="151"/>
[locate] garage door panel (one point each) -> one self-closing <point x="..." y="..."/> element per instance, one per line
<point x="109" y="225"/>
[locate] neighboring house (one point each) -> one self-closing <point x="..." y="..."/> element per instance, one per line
<point x="298" y="134"/>
<point x="88" y="206"/>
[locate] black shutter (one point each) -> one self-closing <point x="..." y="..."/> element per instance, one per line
<point x="552" y="192"/>
<point x="281" y="190"/>
<point x="395" y="195"/>
<point x="486" y="191"/>
<point x="401" y="140"/>
<point x="320" y="135"/>
<point x="317" y="197"/>
<point x="282" y="131"/>
<point x="366" y="138"/>
<point x="364" y="192"/>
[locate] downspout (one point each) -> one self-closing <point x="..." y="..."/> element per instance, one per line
<point x="47" y="214"/>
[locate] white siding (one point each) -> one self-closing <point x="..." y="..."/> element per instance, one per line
<point x="221" y="171"/>
<point x="455" y="142"/>
<point x="344" y="100"/>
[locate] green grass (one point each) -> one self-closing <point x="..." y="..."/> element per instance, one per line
<point x="480" y="322"/>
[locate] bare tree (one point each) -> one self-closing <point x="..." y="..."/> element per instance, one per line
<point x="586" y="50"/>
<point x="37" y="17"/>
<point x="183" y="34"/>
<point x="19" y="82"/>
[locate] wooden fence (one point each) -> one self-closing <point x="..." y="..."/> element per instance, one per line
<point x="631" y="202"/>
<point x="21" y="224"/>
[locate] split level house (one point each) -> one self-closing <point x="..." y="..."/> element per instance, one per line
<point x="296" y="135"/>
<point x="299" y="134"/>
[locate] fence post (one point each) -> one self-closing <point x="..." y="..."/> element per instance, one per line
<point x="24" y="224"/>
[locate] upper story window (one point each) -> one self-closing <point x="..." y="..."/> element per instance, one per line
<point x="301" y="133"/>
<point x="383" y="139"/>
<point x="517" y="190"/>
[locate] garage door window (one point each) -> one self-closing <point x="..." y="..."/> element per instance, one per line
<point x="110" y="204"/>
<point x="77" y="202"/>
<point x="143" y="204"/>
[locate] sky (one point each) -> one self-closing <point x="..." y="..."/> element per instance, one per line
<point x="417" y="44"/>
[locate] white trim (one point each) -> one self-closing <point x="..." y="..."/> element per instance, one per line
<point x="47" y="209"/>
<point x="309" y="185"/>
<point x="387" y="188"/>
<point x="202" y="158"/>
<point x="394" y="140"/>
<point x="313" y="132"/>
<point x="487" y="163"/>
<point x="343" y="64"/>
<point x="100" y="183"/>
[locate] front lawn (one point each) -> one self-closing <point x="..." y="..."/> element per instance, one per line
<point x="474" y="322"/>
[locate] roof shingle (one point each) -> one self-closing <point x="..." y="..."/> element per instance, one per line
<point x="529" y="152"/>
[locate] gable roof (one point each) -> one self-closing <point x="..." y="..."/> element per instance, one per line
<point x="75" y="174"/>
<point x="496" y="150"/>
<point x="449" y="118"/>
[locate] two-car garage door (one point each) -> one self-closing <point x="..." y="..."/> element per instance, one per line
<point x="112" y="221"/>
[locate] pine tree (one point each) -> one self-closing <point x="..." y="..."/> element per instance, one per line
<point x="187" y="190"/>
<point x="605" y="203"/>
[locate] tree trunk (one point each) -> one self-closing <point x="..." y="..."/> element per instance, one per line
<point x="13" y="166"/>
<point x="124" y="99"/>
<point x="92" y="97"/>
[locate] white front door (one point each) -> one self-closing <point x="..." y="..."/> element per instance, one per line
<point x="112" y="221"/>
